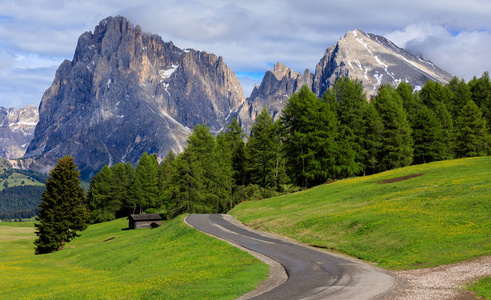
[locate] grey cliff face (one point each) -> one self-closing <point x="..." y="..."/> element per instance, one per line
<point x="276" y="88"/>
<point x="374" y="61"/>
<point x="126" y="92"/>
<point x="17" y="130"/>
<point x="371" y="59"/>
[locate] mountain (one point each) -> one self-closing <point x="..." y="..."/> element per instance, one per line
<point x="370" y="58"/>
<point x="17" y="130"/>
<point x="275" y="89"/>
<point x="126" y="92"/>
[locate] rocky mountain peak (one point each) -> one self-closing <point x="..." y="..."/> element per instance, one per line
<point x="374" y="61"/>
<point x="369" y="58"/>
<point x="126" y="92"/>
<point x="17" y="130"/>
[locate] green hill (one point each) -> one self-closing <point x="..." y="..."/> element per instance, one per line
<point x="413" y="217"/>
<point x="20" y="193"/>
<point x="173" y="261"/>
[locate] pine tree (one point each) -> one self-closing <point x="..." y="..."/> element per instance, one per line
<point x="433" y="93"/>
<point x="225" y="179"/>
<point x="186" y="188"/>
<point x="311" y="138"/>
<point x="471" y="132"/>
<point x="427" y="136"/>
<point x="234" y="137"/>
<point x="373" y="139"/>
<point x="352" y="101"/>
<point x="63" y="211"/>
<point x="102" y="205"/>
<point x="259" y="151"/>
<point x="397" y="143"/>
<point x="461" y="93"/>
<point x="122" y="177"/>
<point x="481" y="94"/>
<point x="145" y="189"/>
<point x="165" y="172"/>
<point x="410" y="101"/>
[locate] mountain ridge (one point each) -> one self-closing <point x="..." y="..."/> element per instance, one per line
<point x="126" y="92"/>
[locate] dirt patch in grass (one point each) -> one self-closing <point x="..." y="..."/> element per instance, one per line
<point x="397" y="179"/>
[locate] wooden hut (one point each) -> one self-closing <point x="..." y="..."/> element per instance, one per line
<point x="144" y="220"/>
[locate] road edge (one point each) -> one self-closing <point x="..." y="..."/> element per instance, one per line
<point x="277" y="273"/>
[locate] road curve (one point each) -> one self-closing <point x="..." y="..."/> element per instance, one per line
<point x="312" y="273"/>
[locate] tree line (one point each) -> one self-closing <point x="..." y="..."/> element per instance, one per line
<point x="315" y="140"/>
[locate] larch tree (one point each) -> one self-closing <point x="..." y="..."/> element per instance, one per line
<point x="397" y="142"/>
<point x="63" y="210"/>
<point x="471" y="132"/>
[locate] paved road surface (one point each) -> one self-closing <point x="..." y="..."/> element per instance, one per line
<point x="312" y="273"/>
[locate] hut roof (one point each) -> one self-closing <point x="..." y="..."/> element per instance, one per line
<point x="146" y="217"/>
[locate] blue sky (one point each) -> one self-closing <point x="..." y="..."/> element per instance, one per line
<point x="37" y="35"/>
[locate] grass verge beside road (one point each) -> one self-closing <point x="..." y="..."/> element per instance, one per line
<point x="414" y="217"/>
<point x="173" y="261"/>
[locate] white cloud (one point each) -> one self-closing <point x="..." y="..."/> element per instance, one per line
<point x="250" y="35"/>
<point x="464" y="54"/>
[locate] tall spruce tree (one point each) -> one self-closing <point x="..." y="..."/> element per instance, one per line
<point x="352" y="101"/>
<point x="471" y="132"/>
<point x="427" y="136"/>
<point x="373" y="139"/>
<point x="225" y="174"/>
<point x="311" y="139"/>
<point x="461" y="93"/>
<point x="100" y="198"/>
<point x="63" y="209"/>
<point x="237" y="146"/>
<point x="259" y="150"/>
<point x="145" y="189"/>
<point x="481" y="94"/>
<point x="397" y="144"/>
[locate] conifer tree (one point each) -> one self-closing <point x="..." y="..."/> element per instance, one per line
<point x="122" y="177"/>
<point x="373" y="139"/>
<point x="102" y="204"/>
<point x="433" y="93"/>
<point x="461" y="93"/>
<point x="63" y="211"/>
<point x="352" y="101"/>
<point x="427" y="136"/>
<point x="259" y="150"/>
<point x="225" y="172"/>
<point x="165" y="172"/>
<point x="481" y="94"/>
<point x="471" y="132"/>
<point x="410" y="101"/>
<point x="234" y="137"/>
<point x="397" y="143"/>
<point x="311" y="139"/>
<point x="145" y="188"/>
<point x="186" y="186"/>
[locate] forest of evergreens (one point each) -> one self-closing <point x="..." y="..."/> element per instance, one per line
<point x="316" y="140"/>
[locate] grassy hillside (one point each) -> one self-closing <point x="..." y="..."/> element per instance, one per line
<point x="13" y="178"/>
<point x="20" y="193"/>
<point x="413" y="217"/>
<point x="173" y="261"/>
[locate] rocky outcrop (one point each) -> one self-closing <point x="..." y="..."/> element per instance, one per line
<point x="370" y="58"/>
<point x="276" y="88"/>
<point x="126" y="92"/>
<point x="374" y="61"/>
<point x="17" y="130"/>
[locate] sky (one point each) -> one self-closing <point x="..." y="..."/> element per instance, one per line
<point x="251" y="36"/>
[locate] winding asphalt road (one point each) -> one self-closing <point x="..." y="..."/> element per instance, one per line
<point x="312" y="273"/>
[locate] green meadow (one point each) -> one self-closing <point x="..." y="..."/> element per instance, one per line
<point x="173" y="261"/>
<point x="414" y="217"/>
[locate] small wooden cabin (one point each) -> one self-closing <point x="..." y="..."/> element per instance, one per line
<point x="144" y="220"/>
